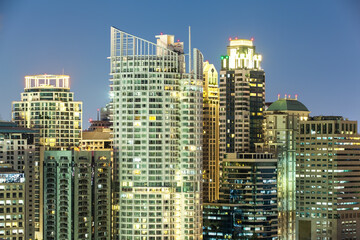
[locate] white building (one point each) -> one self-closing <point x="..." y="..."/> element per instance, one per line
<point x="157" y="124"/>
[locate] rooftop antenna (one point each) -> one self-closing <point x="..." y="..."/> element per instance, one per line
<point x="98" y="114"/>
<point x="189" y="49"/>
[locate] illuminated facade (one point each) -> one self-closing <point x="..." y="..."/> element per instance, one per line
<point x="247" y="208"/>
<point x="17" y="149"/>
<point x="211" y="134"/>
<point x="48" y="106"/>
<point x="282" y="127"/>
<point x="242" y="98"/>
<point x="12" y="199"/>
<point x="328" y="179"/>
<point x="248" y="180"/>
<point x="157" y="124"/>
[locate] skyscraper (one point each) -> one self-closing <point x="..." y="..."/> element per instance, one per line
<point x="247" y="206"/>
<point x="157" y="124"/>
<point x="282" y="129"/>
<point x="327" y="179"/>
<point x="211" y="134"/>
<point x="48" y="106"/>
<point x="242" y="98"/>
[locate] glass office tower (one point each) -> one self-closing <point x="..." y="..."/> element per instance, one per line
<point x="157" y="124"/>
<point x="247" y="205"/>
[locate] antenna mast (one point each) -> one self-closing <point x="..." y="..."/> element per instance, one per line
<point x="189" y="49"/>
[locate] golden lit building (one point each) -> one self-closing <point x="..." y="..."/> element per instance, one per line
<point x="47" y="105"/>
<point x="211" y="134"/>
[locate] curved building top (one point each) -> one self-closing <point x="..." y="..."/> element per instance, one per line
<point x="241" y="54"/>
<point x="287" y="104"/>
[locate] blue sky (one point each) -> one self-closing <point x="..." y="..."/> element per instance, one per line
<point x="309" y="48"/>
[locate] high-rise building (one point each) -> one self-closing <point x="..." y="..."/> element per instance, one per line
<point x="211" y="163"/>
<point x="157" y="123"/>
<point x="58" y="209"/>
<point x="282" y="120"/>
<point x="247" y="207"/>
<point x="248" y="179"/>
<point x="242" y="98"/>
<point x="99" y="138"/>
<point x="17" y="149"/>
<point x="92" y="203"/>
<point x="47" y="105"/>
<point x="12" y="199"/>
<point x="77" y="195"/>
<point x="328" y="179"/>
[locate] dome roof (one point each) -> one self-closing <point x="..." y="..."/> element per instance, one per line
<point x="287" y="105"/>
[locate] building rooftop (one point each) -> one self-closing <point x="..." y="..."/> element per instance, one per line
<point x="97" y="134"/>
<point x="287" y="104"/>
<point x="11" y="127"/>
<point x="327" y="118"/>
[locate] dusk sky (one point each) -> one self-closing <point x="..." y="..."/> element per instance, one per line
<point x="309" y="48"/>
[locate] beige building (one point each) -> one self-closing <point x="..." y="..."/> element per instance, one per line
<point x="47" y="105"/>
<point x="328" y="179"/>
<point x="211" y="134"/>
<point x="282" y="120"/>
<point x="98" y="139"/>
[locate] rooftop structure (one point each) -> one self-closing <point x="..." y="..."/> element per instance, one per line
<point x="287" y="104"/>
